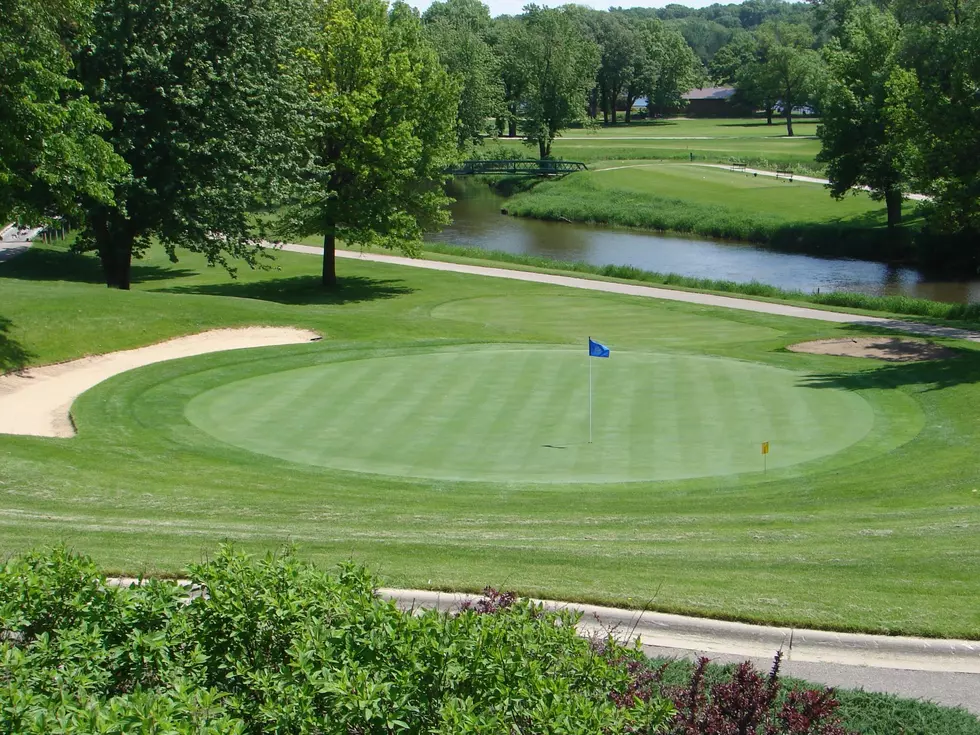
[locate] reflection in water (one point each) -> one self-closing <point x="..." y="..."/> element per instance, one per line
<point x="479" y="223"/>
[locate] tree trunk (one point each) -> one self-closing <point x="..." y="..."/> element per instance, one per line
<point x="893" y="202"/>
<point x="117" y="262"/>
<point x="512" y="121"/>
<point x="544" y="148"/>
<point x="789" y="121"/>
<point x="330" y="259"/>
<point x="594" y="103"/>
<point x="614" y="112"/>
<point x="768" y="114"/>
<point x="115" y="247"/>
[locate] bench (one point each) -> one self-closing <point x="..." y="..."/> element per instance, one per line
<point x="738" y="167"/>
<point x="784" y="173"/>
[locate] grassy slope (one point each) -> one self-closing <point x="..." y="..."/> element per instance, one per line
<point x="886" y="544"/>
<point x="705" y="201"/>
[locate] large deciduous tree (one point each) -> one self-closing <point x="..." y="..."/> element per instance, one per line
<point x="458" y="30"/>
<point x="205" y="101"/>
<point x="859" y="144"/>
<point x="379" y="162"/>
<point x="560" y="66"/>
<point x="935" y="104"/>
<point x="51" y="154"/>
<point x="789" y="66"/>
<point x="672" y="68"/>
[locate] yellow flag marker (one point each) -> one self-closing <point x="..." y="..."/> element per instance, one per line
<point x="765" y="457"/>
<point x="765" y="447"/>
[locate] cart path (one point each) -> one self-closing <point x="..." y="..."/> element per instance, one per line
<point x="653" y="292"/>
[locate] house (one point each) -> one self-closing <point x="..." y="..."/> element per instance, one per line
<point x="710" y="102"/>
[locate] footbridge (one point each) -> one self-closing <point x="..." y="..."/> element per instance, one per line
<point x="518" y="167"/>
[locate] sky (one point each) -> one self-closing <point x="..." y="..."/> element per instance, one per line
<point x="513" y="7"/>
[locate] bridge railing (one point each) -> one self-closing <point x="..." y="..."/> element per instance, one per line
<point x="518" y="166"/>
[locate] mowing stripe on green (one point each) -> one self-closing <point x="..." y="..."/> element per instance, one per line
<point x="506" y="414"/>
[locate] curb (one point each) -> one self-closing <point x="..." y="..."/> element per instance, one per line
<point x="704" y="635"/>
<point x="665" y="630"/>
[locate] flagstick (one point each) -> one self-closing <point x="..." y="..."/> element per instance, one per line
<point x="590" y="398"/>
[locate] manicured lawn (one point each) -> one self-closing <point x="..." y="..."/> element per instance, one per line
<point x="880" y="534"/>
<point x="714" y="141"/>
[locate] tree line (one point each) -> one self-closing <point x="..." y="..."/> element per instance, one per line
<point x="182" y="121"/>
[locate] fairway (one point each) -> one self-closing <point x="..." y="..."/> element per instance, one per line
<point x="507" y="415"/>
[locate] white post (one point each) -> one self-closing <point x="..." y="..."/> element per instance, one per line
<point x="590" y="395"/>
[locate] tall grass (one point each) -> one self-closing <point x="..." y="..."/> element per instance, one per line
<point x="904" y="305"/>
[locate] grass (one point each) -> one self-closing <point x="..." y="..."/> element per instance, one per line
<point x="657" y="416"/>
<point x="721" y="204"/>
<point x="880" y="536"/>
<point x="713" y="141"/>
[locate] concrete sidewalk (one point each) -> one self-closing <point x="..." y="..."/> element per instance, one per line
<point x="14" y="241"/>
<point x="943" y="671"/>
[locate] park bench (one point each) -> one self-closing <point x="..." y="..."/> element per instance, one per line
<point x="784" y="173"/>
<point x="739" y="167"/>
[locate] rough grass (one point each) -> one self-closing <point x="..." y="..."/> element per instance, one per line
<point x="884" y="544"/>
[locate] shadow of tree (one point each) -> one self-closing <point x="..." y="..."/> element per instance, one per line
<point x="13" y="355"/>
<point x="963" y="369"/>
<point x="39" y="264"/>
<point x="304" y="290"/>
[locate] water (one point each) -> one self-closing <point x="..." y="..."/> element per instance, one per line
<point x="479" y="223"/>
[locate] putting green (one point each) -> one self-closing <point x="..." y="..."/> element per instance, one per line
<point x="511" y="414"/>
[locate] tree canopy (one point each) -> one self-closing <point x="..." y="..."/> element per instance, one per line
<point x="51" y="154"/>
<point x="385" y="141"/>
<point x="203" y="99"/>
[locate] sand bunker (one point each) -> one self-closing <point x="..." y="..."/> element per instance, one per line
<point x="891" y="349"/>
<point x="36" y="402"/>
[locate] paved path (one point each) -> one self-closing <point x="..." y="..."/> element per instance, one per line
<point x="690" y="297"/>
<point x="942" y="671"/>
<point x="14" y="241"/>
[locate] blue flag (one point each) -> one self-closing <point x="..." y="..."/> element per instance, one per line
<point x="597" y="350"/>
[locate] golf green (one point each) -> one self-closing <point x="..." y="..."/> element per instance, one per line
<point x="512" y="414"/>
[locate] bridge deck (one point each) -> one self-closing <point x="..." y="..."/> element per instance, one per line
<point x="518" y="166"/>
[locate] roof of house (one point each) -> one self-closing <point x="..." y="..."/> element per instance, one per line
<point x="710" y="93"/>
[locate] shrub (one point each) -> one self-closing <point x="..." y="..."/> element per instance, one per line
<point x="279" y="646"/>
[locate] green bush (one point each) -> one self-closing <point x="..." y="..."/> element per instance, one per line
<point x="279" y="646"/>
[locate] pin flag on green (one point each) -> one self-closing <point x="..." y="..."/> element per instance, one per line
<point x="765" y="456"/>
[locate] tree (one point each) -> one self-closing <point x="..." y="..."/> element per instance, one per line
<point x="458" y="30"/>
<point x="619" y="60"/>
<point x="859" y="145"/>
<point x="733" y="58"/>
<point x="934" y="106"/>
<point x="560" y="67"/>
<point x="379" y="161"/>
<point x="790" y="67"/>
<point x="51" y="154"/>
<point x="672" y="68"/>
<point x="506" y="42"/>
<point x="205" y="102"/>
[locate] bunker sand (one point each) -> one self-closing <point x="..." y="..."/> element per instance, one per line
<point x="37" y="401"/>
